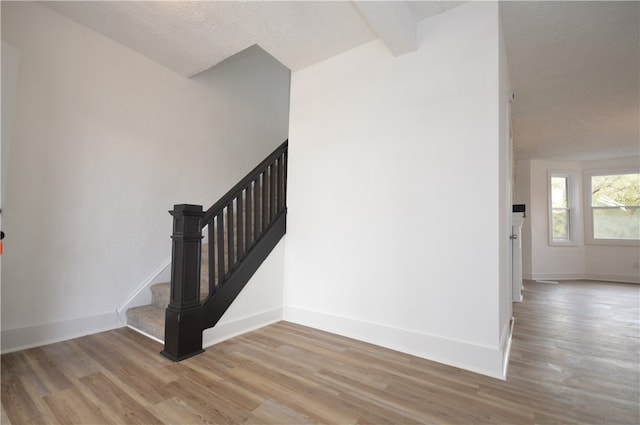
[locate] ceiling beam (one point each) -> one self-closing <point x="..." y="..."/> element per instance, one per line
<point x="393" y="22"/>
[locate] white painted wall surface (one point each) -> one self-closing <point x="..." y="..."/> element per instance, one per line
<point x="547" y="261"/>
<point x="8" y="75"/>
<point x="583" y="260"/>
<point x="522" y="196"/>
<point x="105" y="141"/>
<point x="394" y="194"/>
<point x="505" y="203"/>
<point x="10" y="62"/>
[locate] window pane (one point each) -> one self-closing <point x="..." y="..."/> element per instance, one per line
<point x="560" y="224"/>
<point x="615" y="190"/>
<point x="559" y="192"/>
<point x="616" y="223"/>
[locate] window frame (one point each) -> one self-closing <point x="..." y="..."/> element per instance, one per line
<point x="572" y="209"/>
<point x="589" y="208"/>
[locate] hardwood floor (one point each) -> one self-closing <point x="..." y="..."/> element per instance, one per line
<point x="575" y="359"/>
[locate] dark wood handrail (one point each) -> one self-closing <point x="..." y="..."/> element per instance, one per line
<point x="231" y="194"/>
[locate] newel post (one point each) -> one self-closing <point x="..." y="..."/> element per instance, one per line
<point x="184" y="315"/>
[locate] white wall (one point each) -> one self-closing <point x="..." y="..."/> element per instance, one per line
<point x="505" y="200"/>
<point x="522" y="195"/>
<point x="581" y="260"/>
<point x="395" y="195"/>
<point x="542" y="260"/>
<point x="10" y="61"/>
<point x="9" y="76"/>
<point x="104" y="142"/>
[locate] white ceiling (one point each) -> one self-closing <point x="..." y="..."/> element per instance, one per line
<point x="575" y="71"/>
<point x="192" y="36"/>
<point x="574" y="65"/>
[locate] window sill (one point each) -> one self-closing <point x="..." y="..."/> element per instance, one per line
<point x="564" y="243"/>
<point x="614" y="242"/>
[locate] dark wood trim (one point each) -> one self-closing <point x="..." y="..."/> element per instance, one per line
<point x="228" y="197"/>
<point x="183" y="333"/>
<point x="240" y="225"/>
<point x="264" y="200"/>
<point x="220" y="263"/>
<point x="184" y="313"/>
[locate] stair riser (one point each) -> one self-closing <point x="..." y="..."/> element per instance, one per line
<point x="148" y="319"/>
<point x="160" y="295"/>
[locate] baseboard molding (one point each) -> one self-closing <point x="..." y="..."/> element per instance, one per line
<point x="505" y="346"/>
<point x="142" y="294"/>
<point x="480" y="359"/>
<point x="614" y="278"/>
<point x="49" y="333"/>
<point x="588" y="276"/>
<point x="224" y="330"/>
<point x="557" y="276"/>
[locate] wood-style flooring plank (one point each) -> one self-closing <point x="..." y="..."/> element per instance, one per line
<point x="175" y="411"/>
<point x="72" y="406"/>
<point x="17" y="402"/>
<point x="272" y="412"/>
<point x="117" y="402"/>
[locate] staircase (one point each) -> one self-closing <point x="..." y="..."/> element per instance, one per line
<point x="241" y="229"/>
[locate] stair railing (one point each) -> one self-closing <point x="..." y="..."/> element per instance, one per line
<point x="242" y="228"/>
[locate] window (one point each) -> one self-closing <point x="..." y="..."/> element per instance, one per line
<point x="615" y="207"/>
<point x="560" y="228"/>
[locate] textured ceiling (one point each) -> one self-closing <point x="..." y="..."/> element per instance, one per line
<point x="574" y="66"/>
<point x="191" y="36"/>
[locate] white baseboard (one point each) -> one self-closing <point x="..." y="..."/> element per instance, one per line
<point x="587" y="276"/>
<point x="49" y="333"/>
<point x="480" y="359"/>
<point x="505" y="346"/>
<point x="557" y="276"/>
<point x="615" y="278"/>
<point x="226" y="330"/>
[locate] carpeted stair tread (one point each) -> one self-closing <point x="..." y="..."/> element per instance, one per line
<point x="148" y="319"/>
